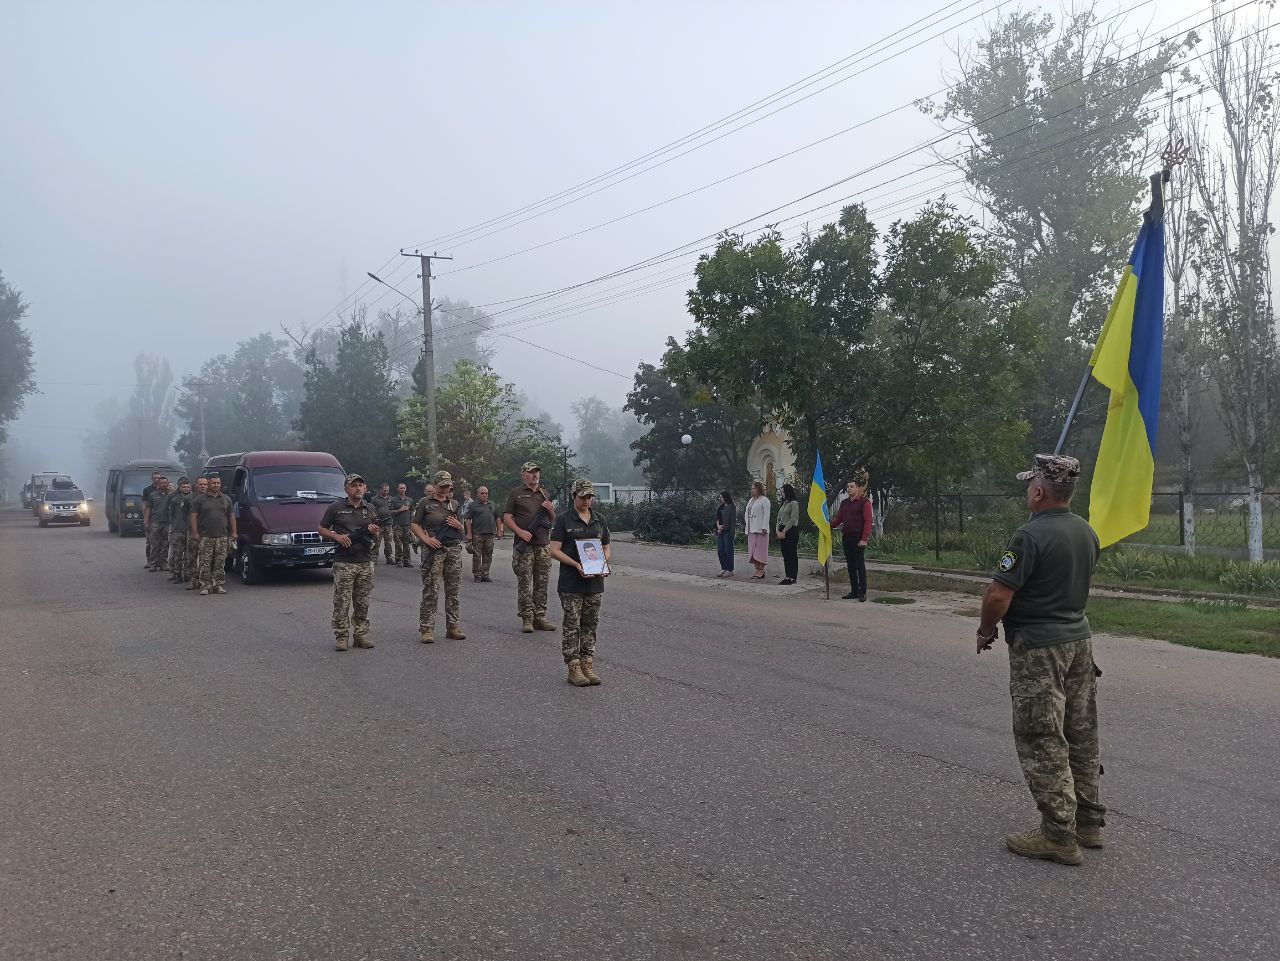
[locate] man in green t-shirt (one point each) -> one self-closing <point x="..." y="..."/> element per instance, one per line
<point x="155" y="520"/>
<point x="178" y="510"/>
<point x="1040" y="589"/>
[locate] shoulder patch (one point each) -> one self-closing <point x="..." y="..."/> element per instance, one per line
<point x="1008" y="561"/>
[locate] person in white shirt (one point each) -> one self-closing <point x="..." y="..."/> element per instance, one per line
<point x="757" y="519"/>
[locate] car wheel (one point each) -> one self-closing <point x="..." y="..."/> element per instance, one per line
<point x="250" y="569"/>
<point x="85" y="523"/>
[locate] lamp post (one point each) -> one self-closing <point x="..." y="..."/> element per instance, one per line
<point x="685" y="441"/>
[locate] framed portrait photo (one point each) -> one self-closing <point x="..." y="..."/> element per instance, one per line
<point x="591" y="555"/>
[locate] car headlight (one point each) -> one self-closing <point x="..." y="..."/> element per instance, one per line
<point x="45" y="507"/>
<point x="84" y="508"/>
<point x="277" y="540"/>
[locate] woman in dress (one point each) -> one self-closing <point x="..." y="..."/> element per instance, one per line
<point x="789" y="534"/>
<point x="726" y="528"/>
<point x="758" y="512"/>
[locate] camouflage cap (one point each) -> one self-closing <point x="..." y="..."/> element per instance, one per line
<point x="1058" y="468"/>
<point x="583" y="486"/>
<point x="529" y="465"/>
<point x="862" y="477"/>
<point x="442" y="479"/>
<point x="353" y="478"/>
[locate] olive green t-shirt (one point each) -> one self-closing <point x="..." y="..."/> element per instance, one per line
<point x="1049" y="564"/>
<point x="525" y="508"/>
<point x="158" y="500"/>
<point x="213" y="514"/>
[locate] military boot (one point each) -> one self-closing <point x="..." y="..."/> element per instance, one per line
<point x="543" y="624"/>
<point x="587" y="672"/>
<point x="364" y="642"/>
<point x="455" y="634"/>
<point x="1036" y="844"/>
<point x="576" y="677"/>
<point x="1089" y="835"/>
<point x="427" y="637"/>
<point x="341" y="643"/>
<point x="526" y="625"/>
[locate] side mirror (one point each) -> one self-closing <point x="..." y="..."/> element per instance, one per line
<point x="88" y="500"/>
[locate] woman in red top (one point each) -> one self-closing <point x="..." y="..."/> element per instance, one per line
<point x="853" y="520"/>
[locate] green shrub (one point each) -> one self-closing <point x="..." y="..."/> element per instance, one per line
<point x="1125" y="565"/>
<point x="1245" y="578"/>
<point x="673" y="519"/>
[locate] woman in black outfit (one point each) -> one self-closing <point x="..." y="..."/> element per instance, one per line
<point x="789" y="534"/>
<point x="726" y="528"/>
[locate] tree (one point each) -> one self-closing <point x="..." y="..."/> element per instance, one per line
<point x="349" y="408"/>
<point x="886" y="365"/>
<point x="143" y="427"/>
<point x="17" y="369"/>
<point x="249" y="400"/>
<point x="669" y="402"/>
<point x="1057" y="155"/>
<point x="604" y="440"/>
<point x="1235" y="177"/>
<point x="483" y="435"/>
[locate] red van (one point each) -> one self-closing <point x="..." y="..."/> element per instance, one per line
<point x="279" y="498"/>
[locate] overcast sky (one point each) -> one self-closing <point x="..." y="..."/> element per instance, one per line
<point x="176" y="177"/>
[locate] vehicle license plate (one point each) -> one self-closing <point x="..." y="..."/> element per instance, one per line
<point x="317" y="550"/>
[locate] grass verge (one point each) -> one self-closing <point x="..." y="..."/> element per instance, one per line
<point x="1208" y="625"/>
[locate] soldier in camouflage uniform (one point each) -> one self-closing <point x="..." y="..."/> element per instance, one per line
<point x="155" y="519"/>
<point x="192" y="563"/>
<point x="580" y="592"/>
<point x="381" y="502"/>
<point x="401" y="508"/>
<point x="352" y="525"/>
<point x="146" y="495"/>
<point x="212" y="522"/>
<point x="178" y="512"/>
<point x="437" y="528"/>
<point x="483" y="525"/>
<point x="529" y="514"/>
<point x="1040" y="589"/>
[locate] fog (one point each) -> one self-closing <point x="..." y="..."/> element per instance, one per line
<point x="178" y="178"/>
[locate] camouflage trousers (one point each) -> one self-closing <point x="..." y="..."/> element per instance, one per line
<point x="211" y="568"/>
<point x="442" y="565"/>
<point x="178" y="552"/>
<point x="1055" y="731"/>
<point x="401" y="535"/>
<point x="385" y="540"/>
<point x="191" y="564"/>
<point x="481" y="554"/>
<point x="352" y="587"/>
<point x="533" y="569"/>
<point x="158" y="546"/>
<point x="581" y="618"/>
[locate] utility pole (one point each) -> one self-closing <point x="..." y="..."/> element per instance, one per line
<point x="429" y="354"/>
<point x="200" y="385"/>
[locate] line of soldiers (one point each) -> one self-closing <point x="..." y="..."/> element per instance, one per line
<point x="440" y="527"/>
<point x="189" y="530"/>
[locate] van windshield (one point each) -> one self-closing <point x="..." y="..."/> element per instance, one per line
<point x="134" y="482"/>
<point x="298" y="483"/>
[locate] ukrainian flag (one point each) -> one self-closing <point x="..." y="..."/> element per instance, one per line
<point x="818" y="509"/>
<point x="1127" y="360"/>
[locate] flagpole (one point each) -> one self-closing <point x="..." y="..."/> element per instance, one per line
<point x="1174" y="154"/>
<point x="826" y="574"/>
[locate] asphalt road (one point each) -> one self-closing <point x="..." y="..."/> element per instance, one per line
<point x="763" y="774"/>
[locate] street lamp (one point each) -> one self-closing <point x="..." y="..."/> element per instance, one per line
<point x="685" y="441"/>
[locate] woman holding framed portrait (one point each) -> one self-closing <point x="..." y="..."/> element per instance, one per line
<point x="580" y="542"/>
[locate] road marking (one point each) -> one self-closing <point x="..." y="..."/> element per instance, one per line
<point x="714" y="583"/>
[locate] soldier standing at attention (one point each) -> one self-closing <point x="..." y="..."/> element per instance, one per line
<point x="192" y="562"/>
<point x="1040" y="589"/>
<point x="156" y="521"/>
<point x="212" y="523"/>
<point x="401" y="516"/>
<point x="352" y="525"/>
<point x="385" y="536"/>
<point x="482" y="523"/>
<point x="529" y="513"/>
<point x="178" y="512"/>
<point x="436" y="526"/>
<point x="146" y="533"/>
<point x="580" y="592"/>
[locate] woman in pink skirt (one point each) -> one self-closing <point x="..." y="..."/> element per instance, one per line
<point x="757" y="518"/>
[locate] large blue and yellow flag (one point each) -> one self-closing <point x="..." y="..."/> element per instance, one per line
<point x="1127" y="360"/>
<point x="818" y="509"/>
